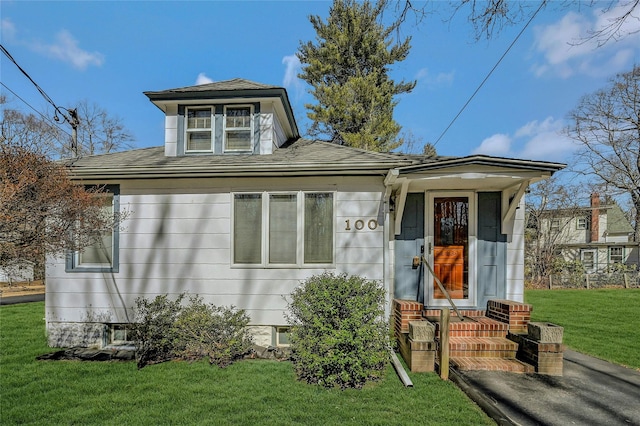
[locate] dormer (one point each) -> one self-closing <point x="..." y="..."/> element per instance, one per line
<point x="225" y="118"/>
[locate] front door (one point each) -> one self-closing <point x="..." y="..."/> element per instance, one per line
<point x="451" y="250"/>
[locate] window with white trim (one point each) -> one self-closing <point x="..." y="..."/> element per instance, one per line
<point x="238" y="129"/>
<point x="582" y="223"/>
<point x="283" y="228"/>
<point x="588" y="259"/>
<point x="102" y="255"/>
<point x="282" y="337"/>
<point x="616" y="255"/>
<point x="555" y="225"/>
<point x="199" y="130"/>
<point x="120" y="334"/>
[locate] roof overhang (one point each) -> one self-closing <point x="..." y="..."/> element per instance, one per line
<point x="476" y="173"/>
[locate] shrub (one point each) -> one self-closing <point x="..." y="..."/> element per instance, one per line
<point x="154" y="331"/>
<point x="166" y="330"/>
<point x="218" y="333"/>
<point x="339" y="335"/>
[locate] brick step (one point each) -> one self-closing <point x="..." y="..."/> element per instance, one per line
<point x="482" y="347"/>
<point x="475" y="327"/>
<point x="491" y="364"/>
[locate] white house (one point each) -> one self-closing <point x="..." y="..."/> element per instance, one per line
<point x="238" y="208"/>
<point x="600" y="236"/>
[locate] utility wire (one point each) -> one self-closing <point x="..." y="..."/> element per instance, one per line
<point x="70" y="117"/>
<point x="490" y="72"/>
<point x="44" y="117"/>
<point x="41" y="90"/>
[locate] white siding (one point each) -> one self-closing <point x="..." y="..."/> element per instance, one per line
<point x="515" y="257"/>
<point x="171" y="131"/>
<point x="177" y="239"/>
<point x="266" y="131"/>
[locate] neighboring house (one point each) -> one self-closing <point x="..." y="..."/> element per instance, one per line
<point x="600" y="236"/>
<point x="22" y="272"/>
<point x="237" y="208"/>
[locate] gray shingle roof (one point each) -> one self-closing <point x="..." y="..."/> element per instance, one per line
<point x="617" y="223"/>
<point x="226" y="85"/>
<point x="299" y="157"/>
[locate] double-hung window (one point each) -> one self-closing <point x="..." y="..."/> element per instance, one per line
<point x="284" y="228"/>
<point x="616" y="255"/>
<point x="589" y="260"/>
<point x="238" y="129"/>
<point x="102" y="255"/>
<point x="582" y="223"/>
<point x="199" y="130"/>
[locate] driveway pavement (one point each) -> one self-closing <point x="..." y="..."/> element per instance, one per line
<point x="591" y="392"/>
<point x="13" y="299"/>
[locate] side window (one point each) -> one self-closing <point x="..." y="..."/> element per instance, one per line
<point x="102" y="255"/>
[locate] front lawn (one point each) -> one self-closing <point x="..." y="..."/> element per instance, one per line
<point x="603" y="323"/>
<point x="248" y="392"/>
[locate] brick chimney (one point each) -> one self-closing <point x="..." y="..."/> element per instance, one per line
<point x="595" y="217"/>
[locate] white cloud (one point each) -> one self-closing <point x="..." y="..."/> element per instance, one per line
<point x="66" y="49"/>
<point x="8" y="29"/>
<point x="290" y="79"/>
<point x="536" y="140"/>
<point x="498" y="145"/>
<point x="434" y="81"/>
<point x="203" y="79"/>
<point x="567" y="50"/>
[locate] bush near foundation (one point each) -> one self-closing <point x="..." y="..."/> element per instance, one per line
<point x="208" y="331"/>
<point x="339" y="335"/>
<point x="154" y="330"/>
<point x="168" y="329"/>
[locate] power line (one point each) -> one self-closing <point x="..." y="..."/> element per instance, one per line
<point x="71" y="118"/>
<point x="490" y="72"/>
<point x="44" y="117"/>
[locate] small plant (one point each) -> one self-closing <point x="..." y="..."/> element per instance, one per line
<point x="339" y="337"/>
<point x="218" y="333"/>
<point x="167" y="329"/>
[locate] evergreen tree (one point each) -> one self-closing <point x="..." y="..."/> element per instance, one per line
<point x="347" y="68"/>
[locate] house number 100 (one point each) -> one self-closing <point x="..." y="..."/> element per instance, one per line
<point x="359" y="224"/>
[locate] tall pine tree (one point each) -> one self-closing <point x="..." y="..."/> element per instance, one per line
<point x="347" y="68"/>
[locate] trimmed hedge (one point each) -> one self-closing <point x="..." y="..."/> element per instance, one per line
<point x="339" y="335"/>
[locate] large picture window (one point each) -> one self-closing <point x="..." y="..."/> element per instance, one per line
<point x="199" y="130"/>
<point x="272" y="229"/>
<point x="102" y="255"/>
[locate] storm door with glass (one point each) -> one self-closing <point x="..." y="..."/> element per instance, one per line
<point x="451" y="231"/>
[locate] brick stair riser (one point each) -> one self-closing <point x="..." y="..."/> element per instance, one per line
<point x="478" y="353"/>
<point x="473" y="333"/>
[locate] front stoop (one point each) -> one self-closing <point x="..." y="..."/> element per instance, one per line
<point x="498" y="339"/>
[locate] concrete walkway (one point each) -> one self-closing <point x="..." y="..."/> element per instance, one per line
<point x="591" y="392"/>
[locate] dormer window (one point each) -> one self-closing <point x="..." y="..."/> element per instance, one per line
<point x="238" y="134"/>
<point x="199" y="130"/>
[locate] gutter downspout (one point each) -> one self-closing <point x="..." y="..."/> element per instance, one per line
<point x="389" y="180"/>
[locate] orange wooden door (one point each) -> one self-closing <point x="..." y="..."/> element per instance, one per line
<point x="450" y="237"/>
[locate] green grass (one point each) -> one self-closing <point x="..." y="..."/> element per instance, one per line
<point x="603" y="323"/>
<point x="246" y="393"/>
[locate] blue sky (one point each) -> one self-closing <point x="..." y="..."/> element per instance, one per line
<point x="110" y="52"/>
